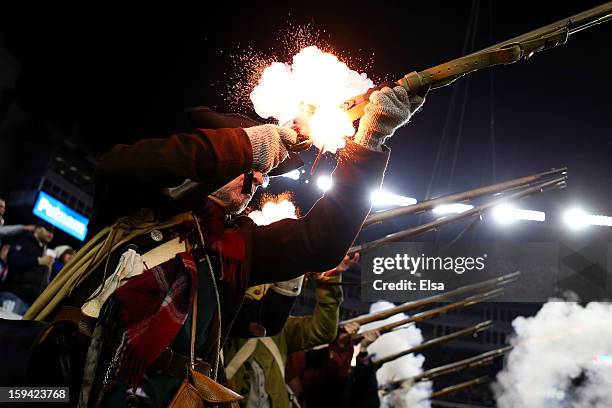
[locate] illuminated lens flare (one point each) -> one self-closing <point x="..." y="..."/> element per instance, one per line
<point x="273" y="211"/>
<point x="311" y="90"/>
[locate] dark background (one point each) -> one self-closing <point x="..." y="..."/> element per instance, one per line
<point x="89" y="78"/>
<point x="112" y="75"/>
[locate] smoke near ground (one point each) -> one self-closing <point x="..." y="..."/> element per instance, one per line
<point x="404" y="367"/>
<point x="561" y="359"/>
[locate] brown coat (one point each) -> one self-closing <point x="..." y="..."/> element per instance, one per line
<point x="131" y="177"/>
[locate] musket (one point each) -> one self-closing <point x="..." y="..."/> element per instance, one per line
<point x="426" y="205"/>
<point x="458" y="387"/>
<point x="467" y="363"/>
<point x="556" y="183"/>
<point x="429" y="314"/>
<point x="507" y="52"/>
<point x="470" y="331"/>
<point x="418" y="304"/>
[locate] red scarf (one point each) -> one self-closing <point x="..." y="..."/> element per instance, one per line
<point x="150" y="309"/>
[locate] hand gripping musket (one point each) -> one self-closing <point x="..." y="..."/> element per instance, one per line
<point x="556" y="183"/>
<point x="470" y="331"/>
<point x="521" y="47"/>
<point x="467" y="363"/>
<point x="429" y="314"/>
<point x="459" y="387"/>
<point x="418" y="304"/>
<point x="426" y="205"/>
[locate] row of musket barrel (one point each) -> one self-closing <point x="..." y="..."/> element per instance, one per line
<point x="458" y="298"/>
<point x="464" y="296"/>
<point x="508" y="191"/>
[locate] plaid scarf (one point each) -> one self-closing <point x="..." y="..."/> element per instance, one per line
<point x="140" y="334"/>
<point x="146" y="314"/>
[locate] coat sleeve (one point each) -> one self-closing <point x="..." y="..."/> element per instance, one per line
<point x="318" y="241"/>
<point x="202" y="156"/>
<point x="130" y="177"/>
<point x="9" y="230"/>
<point x="319" y="328"/>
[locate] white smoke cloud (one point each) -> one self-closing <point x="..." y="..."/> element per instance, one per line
<point x="416" y="396"/>
<point x="315" y="79"/>
<point x="273" y="211"/>
<point x="563" y="342"/>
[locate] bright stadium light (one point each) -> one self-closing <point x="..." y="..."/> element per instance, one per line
<point x="293" y="175"/>
<point x="324" y="183"/>
<point x="384" y="199"/>
<point x="453" y="208"/>
<point x="506" y="213"/>
<point x="577" y="218"/>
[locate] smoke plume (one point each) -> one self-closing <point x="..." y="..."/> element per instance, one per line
<point x="404" y="367"/>
<point x="561" y="358"/>
<point x="311" y="89"/>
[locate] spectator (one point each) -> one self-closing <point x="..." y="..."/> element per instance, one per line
<point x="63" y="253"/>
<point x="30" y="269"/>
<point x="8" y="230"/>
<point x="4" y="249"/>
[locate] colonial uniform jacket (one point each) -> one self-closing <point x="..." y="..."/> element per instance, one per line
<point x="131" y="177"/>
<point x="299" y="333"/>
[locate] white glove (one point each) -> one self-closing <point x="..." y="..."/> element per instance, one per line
<point x="268" y="147"/>
<point x="388" y="110"/>
<point x="290" y="288"/>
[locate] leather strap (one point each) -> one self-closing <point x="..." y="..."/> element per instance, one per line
<point x="194" y="316"/>
<point x="172" y="363"/>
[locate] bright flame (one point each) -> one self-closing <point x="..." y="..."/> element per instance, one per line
<point x="272" y="211"/>
<point x="311" y="89"/>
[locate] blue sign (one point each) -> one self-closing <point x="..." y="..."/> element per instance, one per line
<point x="59" y="214"/>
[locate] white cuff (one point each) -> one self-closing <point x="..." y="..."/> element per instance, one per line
<point x="290" y="288"/>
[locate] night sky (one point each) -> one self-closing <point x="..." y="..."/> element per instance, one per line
<point x="119" y="76"/>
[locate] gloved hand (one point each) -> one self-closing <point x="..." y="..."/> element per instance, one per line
<point x="388" y="110"/>
<point x="268" y="148"/>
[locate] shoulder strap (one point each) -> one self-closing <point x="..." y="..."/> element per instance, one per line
<point x="273" y="349"/>
<point x="240" y="357"/>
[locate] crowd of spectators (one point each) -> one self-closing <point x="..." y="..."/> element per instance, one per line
<point x="27" y="263"/>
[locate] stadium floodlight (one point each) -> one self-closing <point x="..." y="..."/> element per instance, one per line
<point x="382" y="198"/>
<point x="324" y="183"/>
<point x="577" y="218"/>
<point x="506" y="213"/>
<point x="452" y="208"/>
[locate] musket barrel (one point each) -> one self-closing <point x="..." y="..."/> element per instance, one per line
<point x="406" y="307"/>
<point x="461" y="196"/>
<point x="428" y="314"/>
<point x="506" y="52"/>
<point x="436" y="341"/>
<point x="458" y="387"/>
<point x="421" y="229"/>
<point x="575" y="23"/>
<point x="451" y="367"/>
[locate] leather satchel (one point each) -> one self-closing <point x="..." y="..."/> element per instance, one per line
<point x="197" y="389"/>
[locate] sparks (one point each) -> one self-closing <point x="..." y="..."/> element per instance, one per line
<point x="311" y="89"/>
